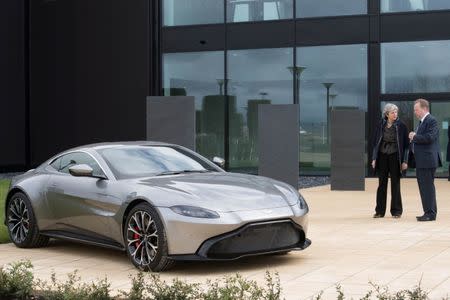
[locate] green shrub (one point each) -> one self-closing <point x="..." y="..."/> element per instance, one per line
<point x="73" y="289"/>
<point x="16" y="280"/>
<point x="237" y="287"/>
<point x="137" y="288"/>
<point x="4" y="185"/>
<point x="383" y="293"/>
<point x="156" y="289"/>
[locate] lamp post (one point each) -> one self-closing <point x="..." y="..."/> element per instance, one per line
<point x="332" y="96"/>
<point x="221" y="82"/>
<point x="328" y="85"/>
<point x="296" y="71"/>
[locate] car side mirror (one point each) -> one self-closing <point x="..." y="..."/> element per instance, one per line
<point x="81" y="170"/>
<point x="219" y="161"/>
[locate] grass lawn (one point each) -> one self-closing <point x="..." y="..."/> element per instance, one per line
<point x="4" y="184"/>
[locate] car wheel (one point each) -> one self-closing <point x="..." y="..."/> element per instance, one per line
<point x="22" y="225"/>
<point x="145" y="238"/>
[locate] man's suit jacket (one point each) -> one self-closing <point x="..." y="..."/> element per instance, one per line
<point x="426" y="144"/>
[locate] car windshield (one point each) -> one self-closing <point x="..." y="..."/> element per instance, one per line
<point x="140" y="161"/>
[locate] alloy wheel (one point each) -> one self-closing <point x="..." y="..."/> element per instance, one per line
<point x="142" y="238"/>
<point x="18" y="220"/>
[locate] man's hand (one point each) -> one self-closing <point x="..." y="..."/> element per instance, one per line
<point x="411" y="136"/>
<point x="404" y="166"/>
<point x="373" y="163"/>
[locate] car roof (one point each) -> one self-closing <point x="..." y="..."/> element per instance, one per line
<point x="104" y="145"/>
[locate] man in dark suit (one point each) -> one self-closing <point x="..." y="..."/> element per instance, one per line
<point x="425" y="147"/>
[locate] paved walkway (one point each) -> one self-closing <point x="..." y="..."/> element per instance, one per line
<point x="349" y="247"/>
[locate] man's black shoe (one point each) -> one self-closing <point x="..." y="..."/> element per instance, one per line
<point x="378" y="216"/>
<point x="425" y="218"/>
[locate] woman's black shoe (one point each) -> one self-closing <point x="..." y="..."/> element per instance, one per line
<point x="378" y="216"/>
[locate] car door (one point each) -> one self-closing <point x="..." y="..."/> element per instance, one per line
<point x="82" y="206"/>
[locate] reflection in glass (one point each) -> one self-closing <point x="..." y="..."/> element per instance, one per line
<point x="200" y="74"/>
<point x="413" y="5"/>
<point x="335" y="78"/>
<point x="256" y="77"/>
<point x="189" y="12"/>
<point x="322" y="8"/>
<point x="441" y="111"/>
<point x="412" y="67"/>
<point x="258" y="10"/>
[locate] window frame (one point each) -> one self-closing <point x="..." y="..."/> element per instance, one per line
<point x="73" y="152"/>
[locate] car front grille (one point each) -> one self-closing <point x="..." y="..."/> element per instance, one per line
<point x="253" y="239"/>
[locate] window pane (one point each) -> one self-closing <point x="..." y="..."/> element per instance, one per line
<point x="321" y="8"/>
<point x="255" y="77"/>
<point x="333" y="75"/>
<point x="78" y="158"/>
<point x="441" y="111"/>
<point x="200" y="74"/>
<point x="258" y="10"/>
<point x="139" y="161"/>
<point x="413" y="67"/>
<point x="188" y="12"/>
<point x="413" y="5"/>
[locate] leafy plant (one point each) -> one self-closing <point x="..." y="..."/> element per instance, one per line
<point x="73" y="289"/>
<point x="16" y="280"/>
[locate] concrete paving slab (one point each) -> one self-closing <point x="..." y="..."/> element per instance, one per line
<point x="349" y="248"/>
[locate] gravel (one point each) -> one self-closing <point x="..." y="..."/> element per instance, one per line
<point x="311" y="181"/>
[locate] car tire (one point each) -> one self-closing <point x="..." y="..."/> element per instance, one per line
<point x="145" y="239"/>
<point x="21" y="222"/>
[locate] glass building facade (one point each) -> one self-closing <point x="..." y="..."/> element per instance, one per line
<point x="324" y="55"/>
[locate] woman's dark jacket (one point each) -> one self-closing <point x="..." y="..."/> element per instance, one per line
<point x="402" y="141"/>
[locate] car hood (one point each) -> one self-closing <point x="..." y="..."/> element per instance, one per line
<point x="220" y="191"/>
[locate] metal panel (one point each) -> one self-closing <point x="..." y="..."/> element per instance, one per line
<point x="347" y="150"/>
<point x="335" y="30"/>
<point x="374" y="29"/>
<point x="193" y="38"/>
<point x="13" y="120"/>
<point x="278" y="131"/>
<point x="89" y="79"/>
<point x="171" y="120"/>
<point x="374" y="88"/>
<point x="265" y="34"/>
<point x="415" y="26"/>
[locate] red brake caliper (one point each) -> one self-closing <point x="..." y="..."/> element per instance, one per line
<point x="136" y="237"/>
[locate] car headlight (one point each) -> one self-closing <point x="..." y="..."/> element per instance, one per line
<point x="302" y="202"/>
<point x="195" y="212"/>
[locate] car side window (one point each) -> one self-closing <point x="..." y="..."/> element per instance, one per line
<point x="56" y="164"/>
<point x="77" y="158"/>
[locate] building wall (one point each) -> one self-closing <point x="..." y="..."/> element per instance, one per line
<point x="78" y="71"/>
<point x="89" y="73"/>
<point x="13" y="120"/>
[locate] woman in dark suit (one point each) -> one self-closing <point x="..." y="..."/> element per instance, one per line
<point x="389" y="157"/>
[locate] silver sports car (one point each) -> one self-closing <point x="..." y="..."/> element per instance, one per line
<point x="158" y="202"/>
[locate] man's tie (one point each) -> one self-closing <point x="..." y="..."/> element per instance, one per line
<point x="420" y="122"/>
